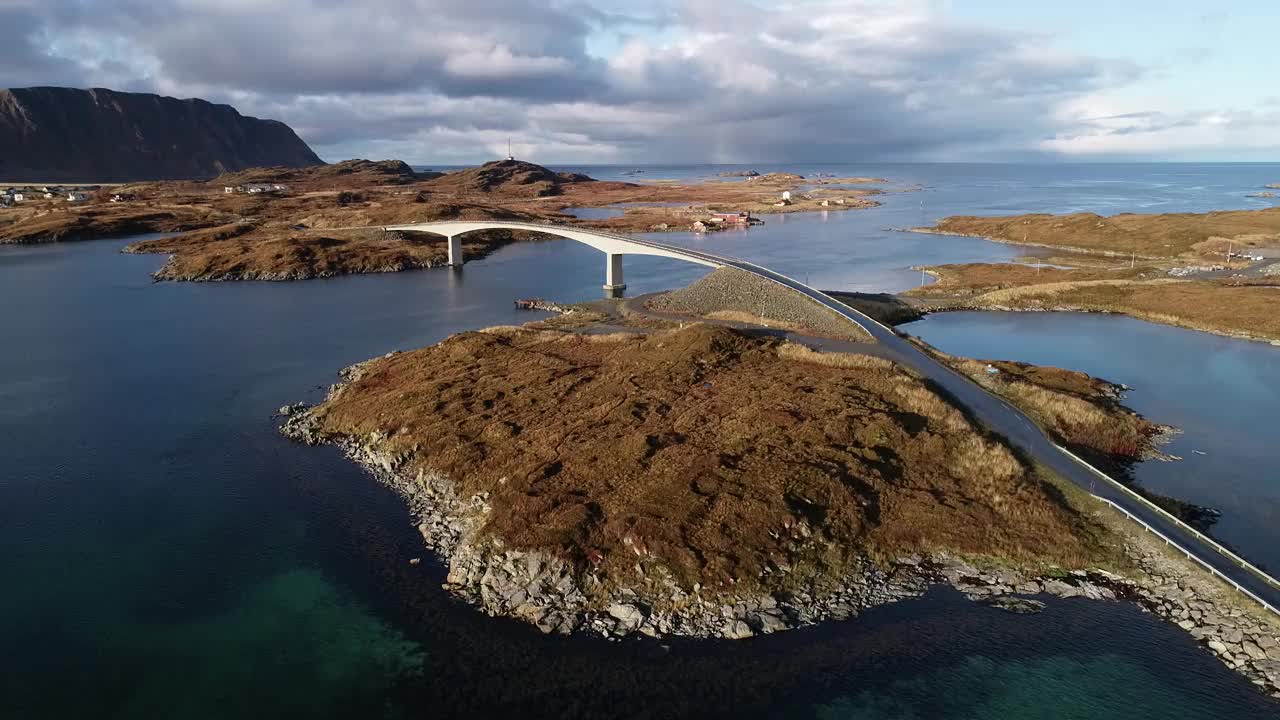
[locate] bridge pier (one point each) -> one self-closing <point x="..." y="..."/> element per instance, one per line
<point x="613" y="281"/>
<point x="455" y="251"/>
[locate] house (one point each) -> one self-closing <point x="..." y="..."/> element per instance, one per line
<point x="77" y="196"/>
<point x="738" y="218"/>
<point x="255" y="188"/>
<point x="48" y="195"/>
<point x="19" y="197"/>
<point x="230" y="190"/>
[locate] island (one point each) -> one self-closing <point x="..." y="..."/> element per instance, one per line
<point x="641" y="468"/>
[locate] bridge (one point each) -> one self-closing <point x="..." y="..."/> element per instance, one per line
<point x="613" y="245"/>
<point x="991" y="411"/>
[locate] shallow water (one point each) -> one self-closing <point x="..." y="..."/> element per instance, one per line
<point x="168" y="554"/>
<point x="1221" y="392"/>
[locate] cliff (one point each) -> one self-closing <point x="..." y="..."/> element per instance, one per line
<point x="50" y="134"/>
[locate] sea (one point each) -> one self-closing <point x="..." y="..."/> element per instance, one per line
<point x="165" y="553"/>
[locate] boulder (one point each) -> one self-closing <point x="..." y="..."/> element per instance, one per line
<point x="629" y="616"/>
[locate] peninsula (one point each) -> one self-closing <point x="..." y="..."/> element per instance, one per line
<point x="1218" y="272"/>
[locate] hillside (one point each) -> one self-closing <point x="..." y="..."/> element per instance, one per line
<point x="50" y="134"/>
<point x="513" y="178"/>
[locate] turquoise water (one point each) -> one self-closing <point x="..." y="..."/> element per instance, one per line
<point x="167" y="554"/>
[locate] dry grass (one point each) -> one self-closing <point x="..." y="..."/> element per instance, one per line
<point x="971" y="279"/>
<point x="803" y="353"/>
<point x="707" y="449"/>
<point x="747" y="318"/>
<point x="1080" y="411"/>
<point x="1248" y="310"/>
<point x="1154" y="236"/>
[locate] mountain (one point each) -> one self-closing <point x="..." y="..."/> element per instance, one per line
<point x="70" y="135"/>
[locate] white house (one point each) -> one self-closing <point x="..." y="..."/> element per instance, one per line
<point x="77" y="196"/>
<point x="19" y="197"/>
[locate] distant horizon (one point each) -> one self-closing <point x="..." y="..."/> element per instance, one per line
<point x="1047" y="161"/>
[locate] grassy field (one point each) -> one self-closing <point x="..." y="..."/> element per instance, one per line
<point x="1201" y="235"/>
<point x="711" y="453"/>
<point x="1248" y="308"/>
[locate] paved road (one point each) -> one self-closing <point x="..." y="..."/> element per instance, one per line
<point x="996" y="414"/>
<point x="1002" y="418"/>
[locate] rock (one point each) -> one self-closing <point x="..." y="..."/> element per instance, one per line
<point x="415" y="561"/>
<point x="768" y="621"/>
<point x="1059" y="588"/>
<point x="1217" y="647"/>
<point x="629" y="616"/>
<point x="736" y="630"/>
<point x="1253" y="651"/>
<point x="1016" y="605"/>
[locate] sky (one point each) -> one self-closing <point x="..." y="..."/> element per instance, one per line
<point x="690" y="81"/>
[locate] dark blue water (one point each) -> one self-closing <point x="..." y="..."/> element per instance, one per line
<point x="1220" y="391"/>
<point x="167" y="554"/>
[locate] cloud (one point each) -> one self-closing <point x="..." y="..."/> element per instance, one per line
<point x="590" y="80"/>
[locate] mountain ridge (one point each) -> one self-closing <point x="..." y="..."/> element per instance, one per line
<point x="58" y="134"/>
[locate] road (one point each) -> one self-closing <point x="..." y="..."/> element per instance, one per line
<point x="1002" y="418"/>
<point x="992" y="412"/>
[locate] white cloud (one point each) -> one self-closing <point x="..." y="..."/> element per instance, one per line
<point x="701" y="80"/>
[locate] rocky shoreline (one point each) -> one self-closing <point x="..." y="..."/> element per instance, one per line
<point x="549" y="593"/>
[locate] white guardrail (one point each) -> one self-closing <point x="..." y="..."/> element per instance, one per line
<point x="1174" y="544"/>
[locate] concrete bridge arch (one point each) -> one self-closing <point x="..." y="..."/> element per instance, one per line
<point x="613" y="245"/>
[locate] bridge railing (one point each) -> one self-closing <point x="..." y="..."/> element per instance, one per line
<point x="1191" y="556"/>
<point x="1182" y="525"/>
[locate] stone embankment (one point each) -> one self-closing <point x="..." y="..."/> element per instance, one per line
<point x="729" y="292"/>
<point x="556" y="597"/>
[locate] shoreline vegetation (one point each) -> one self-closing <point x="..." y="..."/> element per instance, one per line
<point x="618" y="475"/>
<point x="1084" y="414"/>
<point x="1205" y="271"/>
<point x="326" y="220"/>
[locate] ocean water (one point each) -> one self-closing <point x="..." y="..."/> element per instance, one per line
<point x="1220" y="392"/>
<point x="167" y="554"/>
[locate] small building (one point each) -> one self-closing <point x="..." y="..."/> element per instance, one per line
<point x="230" y="190"/>
<point x="19" y="197"/>
<point x="77" y="196"/>
<point x="738" y="218"/>
<point x="48" y="195"/>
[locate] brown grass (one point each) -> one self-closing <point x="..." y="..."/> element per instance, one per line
<point x="969" y="279"/>
<point x="803" y="353"/>
<point x="704" y="451"/>
<point x="1078" y="410"/>
<point x="1248" y="310"/>
<point x="1154" y="236"/>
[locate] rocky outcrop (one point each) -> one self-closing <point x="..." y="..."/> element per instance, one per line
<point x="51" y="134"/>
<point x="513" y="178"/>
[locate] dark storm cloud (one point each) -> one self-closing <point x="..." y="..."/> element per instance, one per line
<point x="23" y="56"/>
<point x="697" y="80"/>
